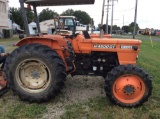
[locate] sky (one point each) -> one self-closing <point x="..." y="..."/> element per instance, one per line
<point x="148" y="12"/>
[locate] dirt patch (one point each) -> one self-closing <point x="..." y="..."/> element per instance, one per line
<point x="77" y="90"/>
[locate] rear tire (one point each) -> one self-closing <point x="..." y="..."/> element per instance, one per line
<point x="35" y="72"/>
<point x="128" y="86"/>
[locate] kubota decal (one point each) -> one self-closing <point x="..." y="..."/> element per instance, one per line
<point x="125" y="47"/>
<point x="104" y="46"/>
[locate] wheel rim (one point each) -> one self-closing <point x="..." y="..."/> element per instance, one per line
<point x="33" y="76"/>
<point x="129" y="89"/>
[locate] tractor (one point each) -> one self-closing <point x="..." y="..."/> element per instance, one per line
<point x="36" y="71"/>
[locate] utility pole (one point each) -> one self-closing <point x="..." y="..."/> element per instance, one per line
<point x="107" y="17"/>
<point x="112" y="17"/>
<point x="123" y="23"/>
<point x="92" y="25"/>
<point x="123" y="20"/>
<point x="101" y="29"/>
<point x="135" y="20"/>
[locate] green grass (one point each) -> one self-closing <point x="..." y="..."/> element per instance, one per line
<point x="6" y="40"/>
<point x="8" y="43"/>
<point x="26" y="111"/>
<point x="12" y="109"/>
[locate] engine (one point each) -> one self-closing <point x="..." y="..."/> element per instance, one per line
<point x="96" y="63"/>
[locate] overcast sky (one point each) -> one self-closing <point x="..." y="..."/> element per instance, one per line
<point x="148" y="12"/>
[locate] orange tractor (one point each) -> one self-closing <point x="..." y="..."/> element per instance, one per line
<point x="37" y="69"/>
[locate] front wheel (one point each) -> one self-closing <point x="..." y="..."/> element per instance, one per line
<point x="128" y="86"/>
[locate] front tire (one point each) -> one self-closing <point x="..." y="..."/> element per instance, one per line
<point x="128" y="86"/>
<point x="35" y="72"/>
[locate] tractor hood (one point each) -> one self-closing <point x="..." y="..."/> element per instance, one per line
<point x="126" y="49"/>
<point x="116" y="41"/>
<point x="115" y="45"/>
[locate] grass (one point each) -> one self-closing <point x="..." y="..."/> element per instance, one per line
<point x="12" y="108"/>
<point x="99" y="107"/>
<point x="8" y="43"/>
<point x="26" y="111"/>
<point x="6" y="40"/>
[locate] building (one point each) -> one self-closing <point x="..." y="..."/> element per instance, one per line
<point x="141" y="31"/>
<point x="147" y="31"/>
<point x="3" y="16"/>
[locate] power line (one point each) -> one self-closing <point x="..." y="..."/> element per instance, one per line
<point x="126" y="10"/>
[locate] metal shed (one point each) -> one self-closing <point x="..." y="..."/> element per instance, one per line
<point x="36" y="3"/>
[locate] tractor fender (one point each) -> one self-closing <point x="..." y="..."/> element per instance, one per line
<point x="40" y="40"/>
<point x="57" y="45"/>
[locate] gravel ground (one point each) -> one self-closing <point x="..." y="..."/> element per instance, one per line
<point x="77" y="89"/>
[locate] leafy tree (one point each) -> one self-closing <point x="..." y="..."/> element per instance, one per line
<point x="104" y="28"/>
<point x="115" y="27"/>
<point x="69" y="12"/>
<point x="131" y="27"/>
<point x="81" y="16"/>
<point x="47" y="14"/>
<point x="16" y="16"/>
<point x="30" y="16"/>
<point x="126" y="29"/>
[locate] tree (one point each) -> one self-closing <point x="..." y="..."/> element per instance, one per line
<point x="69" y="12"/>
<point x="47" y="14"/>
<point x="104" y="28"/>
<point x="30" y="16"/>
<point x="131" y="27"/>
<point x="115" y="27"/>
<point x="16" y="16"/>
<point x="126" y="29"/>
<point x="81" y="16"/>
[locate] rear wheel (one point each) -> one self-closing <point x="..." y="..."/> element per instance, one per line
<point x="35" y="72"/>
<point x="128" y="86"/>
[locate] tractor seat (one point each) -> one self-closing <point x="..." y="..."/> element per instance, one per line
<point x="86" y="35"/>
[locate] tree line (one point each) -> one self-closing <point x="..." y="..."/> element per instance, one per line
<point x="126" y="28"/>
<point x="46" y="14"/>
<point x="130" y="28"/>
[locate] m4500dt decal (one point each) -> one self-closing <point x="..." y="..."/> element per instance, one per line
<point x="104" y="46"/>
